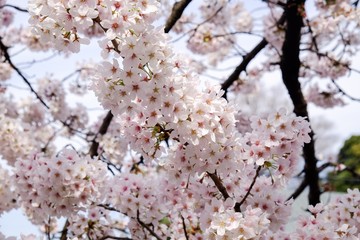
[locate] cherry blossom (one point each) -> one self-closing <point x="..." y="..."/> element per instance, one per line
<point x="173" y="158"/>
<point x="78" y="183"/>
<point x="5" y="71"/>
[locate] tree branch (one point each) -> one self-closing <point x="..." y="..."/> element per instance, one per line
<point x="5" y="52"/>
<point x="246" y="60"/>
<point x="107" y="207"/>
<point x="184" y="227"/>
<point x="102" y="130"/>
<point x="219" y="184"/>
<point x="147" y="227"/>
<point x="15" y="7"/>
<point x="65" y="230"/>
<point x="242" y="66"/>
<point x="343" y="92"/>
<point x="290" y="66"/>
<point x="238" y="204"/>
<point x="304" y="183"/>
<point x="113" y="237"/>
<point x="92" y="152"/>
<point x="299" y="190"/>
<point x="176" y="13"/>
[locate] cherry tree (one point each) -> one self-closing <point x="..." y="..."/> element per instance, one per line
<point x="171" y="154"/>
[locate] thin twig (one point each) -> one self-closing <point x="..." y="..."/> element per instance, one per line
<point x="184" y="227"/>
<point x="313" y="37"/>
<point x="246" y="60"/>
<point x="343" y="92"/>
<point x="15" y="7"/>
<point x="299" y="190"/>
<point x="4" y="49"/>
<point x="113" y="237"/>
<point x="108" y="207"/>
<point x="238" y="204"/>
<point x="147" y="227"/>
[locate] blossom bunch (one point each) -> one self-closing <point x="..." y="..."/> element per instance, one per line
<point x="95" y="223"/>
<point x="53" y="91"/>
<point x="277" y="140"/>
<point x="208" y="39"/>
<point x="326" y="66"/>
<point x="152" y="91"/>
<point x="227" y="224"/>
<point x="5" y="71"/>
<point x="337" y="220"/>
<point x="7" y="193"/>
<point x="15" y="140"/>
<point x="6" y="16"/>
<point x="327" y="98"/>
<point x="139" y="197"/>
<point x="216" y="42"/>
<point x="59" y="186"/>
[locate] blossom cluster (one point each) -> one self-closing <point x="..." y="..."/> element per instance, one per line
<point x="7" y="194"/>
<point x="277" y="141"/>
<point x="339" y="219"/>
<point x="21" y="132"/>
<point x="206" y="37"/>
<point x="143" y="199"/>
<point x="95" y="223"/>
<point x="5" y="71"/>
<point x="59" y="186"/>
<point x="325" y="67"/>
<point x="6" y="16"/>
<point x="327" y="98"/>
<point x="274" y="33"/>
<point x="53" y="91"/>
<point x="227" y="224"/>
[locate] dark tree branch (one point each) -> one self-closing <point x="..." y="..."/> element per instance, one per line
<point x="113" y="237"/>
<point x="147" y="227"/>
<point x="218" y="183"/>
<point x="107" y="207"/>
<point x="299" y="190"/>
<point x="246" y="60"/>
<point x="242" y="67"/>
<point x="15" y="7"/>
<point x="103" y="129"/>
<point x="304" y="182"/>
<point x="184" y="227"/>
<point x="4" y="50"/>
<point x="176" y="13"/>
<point x="238" y="204"/>
<point x="290" y="66"/>
<point x="356" y="3"/>
<point x="313" y="37"/>
<point x="64" y="232"/>
<point x="343" y="92"/>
